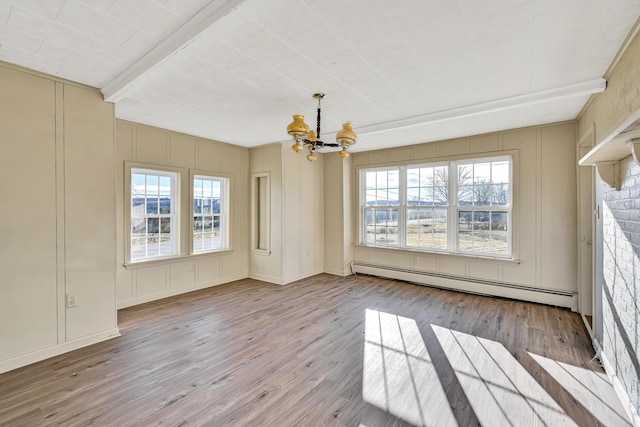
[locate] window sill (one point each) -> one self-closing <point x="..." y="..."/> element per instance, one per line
<point x="467" y="257"/>
<point x="174" y="259"/>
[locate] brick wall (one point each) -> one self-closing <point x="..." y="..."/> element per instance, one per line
<point x="621" y="291"/>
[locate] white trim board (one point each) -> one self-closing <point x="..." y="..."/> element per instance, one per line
<point x="475" y="286"/>
<point x="617" y="385"/>
<point x="173" y="292"/>
<point x="56" y="350"/>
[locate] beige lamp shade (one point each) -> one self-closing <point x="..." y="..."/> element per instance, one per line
<point x="298" y="128"/>
<point x="346" y="136"/>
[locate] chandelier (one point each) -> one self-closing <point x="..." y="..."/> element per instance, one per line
<point x="310" y="139"/>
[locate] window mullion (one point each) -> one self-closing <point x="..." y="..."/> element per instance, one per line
<point x="402" y="209"/>
<point x="452" y="210"/>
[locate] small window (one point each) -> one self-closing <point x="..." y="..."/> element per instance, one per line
<point x="154" y="207"/>
<point x="210" y="213"/>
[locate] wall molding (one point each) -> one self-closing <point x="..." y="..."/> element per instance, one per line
<point x="56" y="350"/>
<point x="475" y="286"/>
<point x="266" y="278"/>
<point x="301" y="276"/>
<point x="336" y="272"/>
<point x="173" y="292"/>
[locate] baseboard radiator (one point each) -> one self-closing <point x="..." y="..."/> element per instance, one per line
<point x="471" y="285"/>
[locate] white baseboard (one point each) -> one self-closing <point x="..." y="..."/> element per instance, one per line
<point x="265" y="278"/>
<point x="336" y="272"/>
<point x="617" y="385"/>
<point x="482" y="287"/>
<point x="56" y="350"/>
<point x="174" y="292"/>
<point x="588" y="326"/>
<point x="301" y="276"/>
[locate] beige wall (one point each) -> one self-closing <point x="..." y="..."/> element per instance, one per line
<point x="544" y="214"/>
<point x="143" y="282"/>
<point x="297" y="217"/>
<point x="268" y="265"/>
<point x="56" y="217"/>
<point x="303" y="197"/>
<point x="337" y="214"/>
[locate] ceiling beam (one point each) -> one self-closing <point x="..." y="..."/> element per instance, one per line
<point x="519" y="101"/>
<point x="190" y="31"/>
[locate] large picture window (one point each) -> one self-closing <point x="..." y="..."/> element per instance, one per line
<point x="457" y="207"/>
<point x="209" y="213"/>
<point x="154" y="207"/>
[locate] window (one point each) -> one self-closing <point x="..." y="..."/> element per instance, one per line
<point x="427" y="205"/>
<point x="154" y="207"/>
<point x="382" y="189"/>
<point x="158" y="200"/>
<point x="260" y="212"/>
<point x="457" y="207"/>
<point x="484" y="207"/>
<point x="210" y="219"/>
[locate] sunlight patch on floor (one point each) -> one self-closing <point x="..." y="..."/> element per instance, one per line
<point x="499" y="389"/>
<point x="592" y="389"/>
<point x="398" y="374"/>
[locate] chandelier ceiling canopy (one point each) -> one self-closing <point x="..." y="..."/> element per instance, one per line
<point x="303" y="137"/>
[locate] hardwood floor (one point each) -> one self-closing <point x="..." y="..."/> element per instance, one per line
<point x="322" y="351"/>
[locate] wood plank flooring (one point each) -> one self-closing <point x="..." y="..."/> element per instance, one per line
<point x="325" y="350"/>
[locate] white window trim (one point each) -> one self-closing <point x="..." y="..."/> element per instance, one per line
<point x="178" y="187"/>
<point x="261" y="214"/>
<point x="185" y="210"/>
<point x="456" y="209"/>
<point x="224" y="210"/>
<point x="452" y="206"/>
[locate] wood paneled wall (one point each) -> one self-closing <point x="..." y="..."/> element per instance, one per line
<point x="544" y="213"/>
<point x="158" y="147"/>
<point x="56" y="217"/>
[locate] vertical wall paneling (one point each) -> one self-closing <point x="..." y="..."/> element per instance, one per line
<point x="333" y="216"/>
<point x="151" y="145"/>
<point x="89" y="233"/>
<point x="297" y="218"/>
<point x="56" y="217"/>
<point x="559" y="210"/>
<point x="142" y="282"/>
<point x="126" y="150"/>
<point x="182" y="150"/>
<point x="60" y="222"/>
<point x="28" y="213"/>
<point x="268" y="265"/>
<point x="538" y="223"/>
<point x="543" y="213"/>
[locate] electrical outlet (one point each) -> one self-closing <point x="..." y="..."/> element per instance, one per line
<point x="72" y="301"/>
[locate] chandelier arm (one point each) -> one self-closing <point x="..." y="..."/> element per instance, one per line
<point x="321" y="144"/>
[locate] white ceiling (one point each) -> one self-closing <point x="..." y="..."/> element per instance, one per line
<point x="403" y="71"/>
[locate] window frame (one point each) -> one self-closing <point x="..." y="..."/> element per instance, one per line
<point x="225" y="216"/>
<point x="490" y="208"/>
<point x="452" y="208"/>
<point x="147" y="169"/>
<point x="184" y="224"/>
